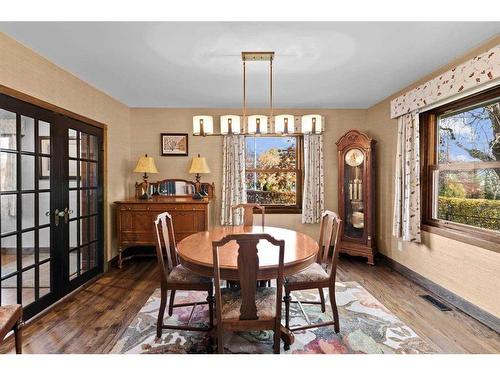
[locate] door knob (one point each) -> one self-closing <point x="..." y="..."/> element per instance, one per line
<point x="66" y="214"/>
<point x="57" y="215"/>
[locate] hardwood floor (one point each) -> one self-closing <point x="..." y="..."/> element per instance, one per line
<point x="91" y="320"/>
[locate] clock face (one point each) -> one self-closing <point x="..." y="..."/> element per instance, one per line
<point x="354" y="157"/>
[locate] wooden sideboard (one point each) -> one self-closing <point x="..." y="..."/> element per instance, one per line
<point x="135" y="219"/>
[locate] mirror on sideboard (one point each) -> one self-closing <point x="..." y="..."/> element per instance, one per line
<point x="178" y="188"/>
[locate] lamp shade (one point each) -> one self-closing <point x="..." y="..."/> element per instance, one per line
<point x="203" y="125"/>
<point x="199" y="165"/>
<point x="257" y="124"/>
<point x="230" y="124"/>
<point x="146" y="164"/>
<point x="284" y="124"/>
<point x="312" y="123"/>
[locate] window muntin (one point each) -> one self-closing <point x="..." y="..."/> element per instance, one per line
<point x="273" y="174"/>
<point x="466" y="175"/>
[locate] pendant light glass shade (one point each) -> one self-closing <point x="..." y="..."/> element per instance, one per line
<point x="284" y="124"/>
<point x="203" y="125"/>
<point x="257" y="124"/>
<point x="312" y="124"/>
<point x="230" y="124"/>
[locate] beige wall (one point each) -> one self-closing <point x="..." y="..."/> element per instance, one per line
<point x="471" y="272"/>
<point x="23" y="70"/>
<point x="148" y="123"/>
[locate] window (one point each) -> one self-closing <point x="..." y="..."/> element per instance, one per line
<point x="274" y="172"/>
<point x="461" y="174"/>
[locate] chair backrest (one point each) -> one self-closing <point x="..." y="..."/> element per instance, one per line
<point x="248" y="212"/>
<point x="165" y="244"/>
<point x="248" y="266"/>
<point x="330" y="229"/>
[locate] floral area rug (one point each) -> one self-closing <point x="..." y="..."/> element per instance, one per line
<point x="366" y="326"/>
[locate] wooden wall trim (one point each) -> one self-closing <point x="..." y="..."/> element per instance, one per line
<point x="48" y="106"/>
<point x="467" y="307"/>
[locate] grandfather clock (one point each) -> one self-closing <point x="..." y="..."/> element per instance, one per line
<point x="356" y="158"/>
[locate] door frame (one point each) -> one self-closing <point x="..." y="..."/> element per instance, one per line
<point x="56" y="110"/>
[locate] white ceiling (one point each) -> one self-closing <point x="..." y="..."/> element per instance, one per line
<point x="198" y="64"/>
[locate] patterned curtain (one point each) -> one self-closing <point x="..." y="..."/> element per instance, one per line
<point x="233" y="179"/>
<point x="313" y="200"/>
<point x="406" y="223"/>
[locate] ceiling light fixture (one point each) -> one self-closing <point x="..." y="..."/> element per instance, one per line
<point x="258" y="124"/>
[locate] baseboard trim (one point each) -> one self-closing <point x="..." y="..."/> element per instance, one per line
<point x="467" y="307"/>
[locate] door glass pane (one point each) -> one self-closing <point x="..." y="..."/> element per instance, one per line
<point x="84" y="232"/>
<point x="8" y="171"/>
<point x="93" y="255"/>
<point x="92" y="228"/>
<point x="73" y="173"/>
<point x="28" y="210"/>
<point x="9" y="212"/>
<point x="8" y="130"/>
<point x="93" y="148"/>
<point x="84" y="145"/>
<point x="44" y="243"/>
<point x="43" y="208"/>
<point x="28" y="248"/>
<point x="92" y="174"/>
<point x="44" y="280"/>
<point x="84" y="207"/>
<point x="44" y="180"/>
<point x="73" y="265"/>
<point x="92" y="201"/>
<point x="9" y="255"/>
<point x="72" y="152"/>
<point x="9" y="291"/>
<point x="27" y="134"/>
<point x="28" y="172"/>
<point x="73" y="234"/>
<point x="84" y="259"/>
<point x="84" y="174"/>
<point x="73" y="202"/>
<point x="28" y="292"/>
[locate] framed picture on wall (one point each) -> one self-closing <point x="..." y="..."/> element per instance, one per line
<point x="174" y="144"/>
<point x="44" y="165"/>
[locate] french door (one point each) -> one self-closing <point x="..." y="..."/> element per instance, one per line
<point x="51" y="197"/>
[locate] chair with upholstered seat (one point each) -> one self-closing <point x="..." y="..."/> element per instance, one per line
<point x="11" y="320"/>
<point x="176" y="277"/>
<point x="320" y="274"/>
<point x="248" y="209"/>
<point x="250" y="307"/>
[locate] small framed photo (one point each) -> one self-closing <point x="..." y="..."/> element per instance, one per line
<point x="174" y="144"/>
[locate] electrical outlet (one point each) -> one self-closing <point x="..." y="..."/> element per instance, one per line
<point x="400" y="245"/>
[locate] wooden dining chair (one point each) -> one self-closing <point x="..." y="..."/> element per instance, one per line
<point x="248" y="308"/>
<point x="248" y="209"/>
<point x="11" y="319"/>
<point x="320" y="274"/>
<point x="176" y="277"/>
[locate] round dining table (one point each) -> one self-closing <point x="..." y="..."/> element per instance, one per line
<point x="196" y="254"/>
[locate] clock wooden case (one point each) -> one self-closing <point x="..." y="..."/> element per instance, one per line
<point x="356" y="158"/>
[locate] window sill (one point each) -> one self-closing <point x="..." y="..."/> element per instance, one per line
<point x="280" y="210"/>
<point x="480" y="239"/>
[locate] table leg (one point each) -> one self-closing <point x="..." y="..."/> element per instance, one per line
<point x="287" y="337"/>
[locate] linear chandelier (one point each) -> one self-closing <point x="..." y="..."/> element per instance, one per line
<point x="282" y="124"/>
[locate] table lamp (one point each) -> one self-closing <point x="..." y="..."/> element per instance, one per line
<point x="145" y="164"/>
<point x="199" y="166"/>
